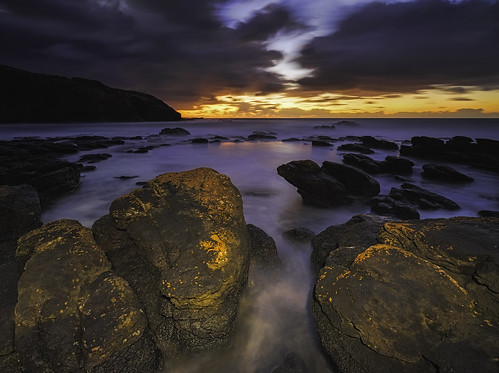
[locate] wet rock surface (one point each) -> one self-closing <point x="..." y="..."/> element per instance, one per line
<point x="332" y="184"/>
<point x="391" y="164"/>
<point x="483" y="153"/>
<point x="445" y="173"/>
<point x="263" y="250"/>
<point x="420" y="296"/>
<point x="160" y="276"/>
<point x="182" y="244"/>
<point x="404" y="202"/>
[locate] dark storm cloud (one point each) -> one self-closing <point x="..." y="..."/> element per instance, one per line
<point x="175" y="50"/>
<point x="405" y="47"/>
<point x="267" y="23"/>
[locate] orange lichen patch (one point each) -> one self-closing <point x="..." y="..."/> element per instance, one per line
<point x="381" y="248"/>
<point x="448" y="277"/>
<point x="219" y="245"/>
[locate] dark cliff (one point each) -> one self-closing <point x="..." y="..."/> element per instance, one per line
<point x="27" y="97"/>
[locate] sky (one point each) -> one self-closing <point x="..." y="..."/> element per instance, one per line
<point x="270" y="58"/>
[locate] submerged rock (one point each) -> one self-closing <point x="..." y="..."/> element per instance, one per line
<point x="299" y="235"/>
<point x="445" y="173"/>
<point x="182" y="244"/>
<point x="372" y="142"/>
<point x="421" y="298"/>
<point x="177" y="131"/>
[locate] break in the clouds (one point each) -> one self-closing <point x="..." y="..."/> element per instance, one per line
<point x="190" y="52"/>
<point x="407" y="47"/>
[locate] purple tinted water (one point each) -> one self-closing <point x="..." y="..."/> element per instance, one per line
<point x="276" y="311"/>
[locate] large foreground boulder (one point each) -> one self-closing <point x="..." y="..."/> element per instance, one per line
<point x="182" y="244"/>
<point x="75" y="314"/>
<point x="423" y="298"/>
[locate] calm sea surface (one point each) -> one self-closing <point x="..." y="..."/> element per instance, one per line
<point x="276" y="311"/>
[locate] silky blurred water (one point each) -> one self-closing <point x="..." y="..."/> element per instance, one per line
<point x="277" y="316"/>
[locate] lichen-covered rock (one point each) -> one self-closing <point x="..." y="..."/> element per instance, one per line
<point x="182" y="244"/>
<point x="424" y="298"/>
<point x="74" y="314"/>
<point x="357" y="234"/>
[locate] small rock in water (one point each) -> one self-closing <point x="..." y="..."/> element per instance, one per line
<point x="299" y="235"/>
<point x="174" y="132"/>
<point x="126" y="177"/>
<point x="93" y="158"/>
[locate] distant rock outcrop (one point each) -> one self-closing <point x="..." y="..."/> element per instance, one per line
<point x="417" y="296"/>
<point x="28" y="97"/>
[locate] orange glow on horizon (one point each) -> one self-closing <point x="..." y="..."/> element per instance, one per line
<point x="435" y="102"/>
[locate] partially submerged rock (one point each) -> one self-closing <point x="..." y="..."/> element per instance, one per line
<point x="332" y="184"/>
<point x="445" y="173"/>
<point x="263" y="250"/>
<point x="182" y="244"/>
<point x="421" y="298"/>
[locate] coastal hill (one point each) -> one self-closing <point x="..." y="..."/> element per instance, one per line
<point x="27" y="97"/>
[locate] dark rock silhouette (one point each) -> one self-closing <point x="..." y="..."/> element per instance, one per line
<point x="421" y="297"/>
<point x="177" y="131"/>
<point x="332" y="184"/>
<point x="391" y="164"/>
<point x="36" y="98"/>
<point x="483" y="153"/>
<point x="445" y="173"/>
<point x="263" y="250"/>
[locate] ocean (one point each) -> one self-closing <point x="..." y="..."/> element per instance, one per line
<point x="277" y="312"/>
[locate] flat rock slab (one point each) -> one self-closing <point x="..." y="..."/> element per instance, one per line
<point x="424" y="298"/>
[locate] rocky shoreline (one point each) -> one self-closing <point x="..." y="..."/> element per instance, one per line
<point x="161" y="276"/>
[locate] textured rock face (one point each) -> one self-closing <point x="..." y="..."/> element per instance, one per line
<point x="332" y="184"/>
<point x="74" y="314"/>
<point x="20" y="209"/>
<point x="182" y="244"/>
<point x="20" y="213"/>
<point x="424" y="298"/>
